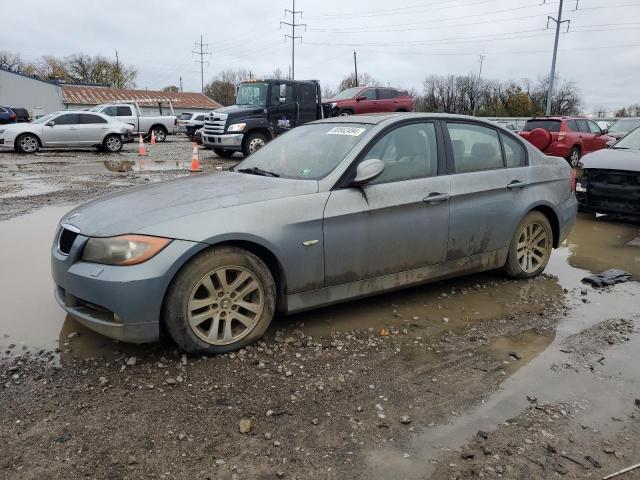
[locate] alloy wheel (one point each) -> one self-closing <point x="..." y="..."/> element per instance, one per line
<point x="575" y="157"/>
<point x="160" y="135"/>
<point x="113" y="144"/>
<point x="225" y="305"/>
<point x="29" y="144"/>
<point x="533" y="247"/>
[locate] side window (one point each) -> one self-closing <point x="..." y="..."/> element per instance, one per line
<point x="2" y="110"/>
<point x="112" y="111"/>
<point x="369" y="94"/>
<point x="594" y="128"/>
<point x="583" y="126"/>
<point x="88" y="119"/>
<point x="410" y="151"/>
<point x="279" y="91"/>
<point x="67" y="119"/>
<point x="386" y="94"/>
<point x="474" y="147"/>
<point x="514" y="152"/>
<point x="123" y="111"/>
<point x="307" y="93"/>
<point x="199" y="118"/>
<point x="573" y="126"/>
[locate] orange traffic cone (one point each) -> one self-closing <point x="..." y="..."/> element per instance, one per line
<point x="153" y="137"/>
<point x="195" y="160"/>
<point x="141" y="151"/>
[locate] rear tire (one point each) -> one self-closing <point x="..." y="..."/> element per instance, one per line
<point x="221" y="152"/>
<point x="160" y="132"/>
<point x="27" y="143"/>
<point x="112" y="143"/>
<point x="345" y="113"/>
<point x="574" y="156"/>
<point x="253" y="143"/>
<point x="222" y="300"/>
<point x="531" y="247"/>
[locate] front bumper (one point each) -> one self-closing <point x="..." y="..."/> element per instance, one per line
<point x="7" y="142"/>
<point x="226" y="141"/>
<point x="124" y="303"/>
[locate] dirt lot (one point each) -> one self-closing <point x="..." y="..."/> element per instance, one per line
<point x="479" y="377"/>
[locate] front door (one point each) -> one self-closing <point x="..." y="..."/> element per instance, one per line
<point x="369" y="102"/>
<point x="599" y="140"/>
<point x="283" y="111"/>
<point x="488" y="190"/>
<point x="399" y="221"/>
<point x="307" y="102"/>
<point x="63" y="132"/>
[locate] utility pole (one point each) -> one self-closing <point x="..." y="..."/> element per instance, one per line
<point x="355" y="65"/>
<point x="293" y="36"/>
<point x="552" y="76"/>
<point x="481" y="59"/>
<point x="181" y="89"/>
<point x="202" y="61"/>
<point x="117" y="71"/>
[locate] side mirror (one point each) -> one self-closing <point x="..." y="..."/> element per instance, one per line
<point x="605" y="131"/>
<point x="367" y="171"/>
<point x="51" y="124"/>
<point x="359" y="98"/>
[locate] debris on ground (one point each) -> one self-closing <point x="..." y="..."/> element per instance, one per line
<point x="607" y="278"/>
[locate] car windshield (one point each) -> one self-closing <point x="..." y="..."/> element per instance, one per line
<point x="624" y="126"/>
<point x="309" y="152"/>
<point x="348" y="93"/>
<point x="252" y="94"/>
<point x="548" y="125"/>
<point x="45" y="119"/>
<point x="631" y="141"/>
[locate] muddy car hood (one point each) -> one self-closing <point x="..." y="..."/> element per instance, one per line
<point x="613" y="159"/>
<point x="138" y="209"/>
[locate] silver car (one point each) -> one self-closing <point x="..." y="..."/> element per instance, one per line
<point x="333" y="210"/>
<point x="67" y="128"/>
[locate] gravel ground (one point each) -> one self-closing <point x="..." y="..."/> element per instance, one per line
<point x="471" y="378"/>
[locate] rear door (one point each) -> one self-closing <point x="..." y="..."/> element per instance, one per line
<point x="282" y="111"/>
<point x="585" y="135"/>
<point x="307" y="103"/>
<point x="398" y="222"/>
<point x="125" y="114"/>
<point x="387" y="101"/>
<point x="63" y="132"/>
<point x="488" y="188"/>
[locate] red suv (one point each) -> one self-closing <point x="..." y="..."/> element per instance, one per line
<point x="568" y="137"/>
<point x="358" y="100"/>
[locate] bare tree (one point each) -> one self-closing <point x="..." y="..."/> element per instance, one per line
<point x="11" y="61"/>
<point x="171" y="88"/>
<point x="222" y="88"/>
<point x="364" y="79"/>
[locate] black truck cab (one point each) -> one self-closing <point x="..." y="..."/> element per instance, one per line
<point x="263" y="110"/>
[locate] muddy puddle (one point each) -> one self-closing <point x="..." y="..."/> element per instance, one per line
<point x="33" y="321"/>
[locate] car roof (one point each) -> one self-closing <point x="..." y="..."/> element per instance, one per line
<point x="377" y="118"/>
<point x="559" y="117"/>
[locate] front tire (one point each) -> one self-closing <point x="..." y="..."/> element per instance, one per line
<point x="531" y="247"/>
<point x="221" y="152"/>
<point x="27" y="143"/>
<point x="253" y="143"/>
<point x="112" y="143"/>
<point x="574" y="156"/>
<point x="222" y="300"/>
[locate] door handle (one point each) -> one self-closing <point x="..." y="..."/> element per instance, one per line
<point x="516" y="184"/>
<point x="435" y="198"/>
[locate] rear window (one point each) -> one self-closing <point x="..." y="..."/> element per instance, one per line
<point x="548" y="125"/>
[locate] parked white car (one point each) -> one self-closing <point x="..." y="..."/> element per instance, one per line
<point x="67" y="128"/>
<point x="161" y="126"/>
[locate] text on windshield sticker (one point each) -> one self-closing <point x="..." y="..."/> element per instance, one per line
<point x="351" y="131"/>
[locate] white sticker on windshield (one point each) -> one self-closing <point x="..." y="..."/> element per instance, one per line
<point x="351" y="131"/>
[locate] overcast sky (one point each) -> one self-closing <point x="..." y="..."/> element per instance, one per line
<point x="399" y="42"/>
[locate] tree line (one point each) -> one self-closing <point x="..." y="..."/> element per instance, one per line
<point x="75" y="68"/>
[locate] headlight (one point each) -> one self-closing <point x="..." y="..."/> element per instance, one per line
<point x="333" y="105"/>
<point x="123" y="250"/>
<point x="237" y="127"/>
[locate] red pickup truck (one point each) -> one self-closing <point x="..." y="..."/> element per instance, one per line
<point x="358" y="100"/>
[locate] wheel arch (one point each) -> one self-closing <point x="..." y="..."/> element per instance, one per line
<point x="261" y="130"/>
<point x="15" y="142"/>
<point x="548" y="211"/>
<point x="158" y="125"/>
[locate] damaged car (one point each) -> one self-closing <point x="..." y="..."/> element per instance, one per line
<point x="334" y="210"/>
<point x="609" y="180"/>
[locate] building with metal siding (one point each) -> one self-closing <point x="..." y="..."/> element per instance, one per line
<point x="39" y="97"/>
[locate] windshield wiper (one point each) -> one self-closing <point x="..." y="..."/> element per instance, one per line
<point x="258" y="171"/>
<point x="620" y="148"/>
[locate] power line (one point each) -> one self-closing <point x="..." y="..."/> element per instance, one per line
<point x="293" y="36"/>
<point x="202" y="61"/>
